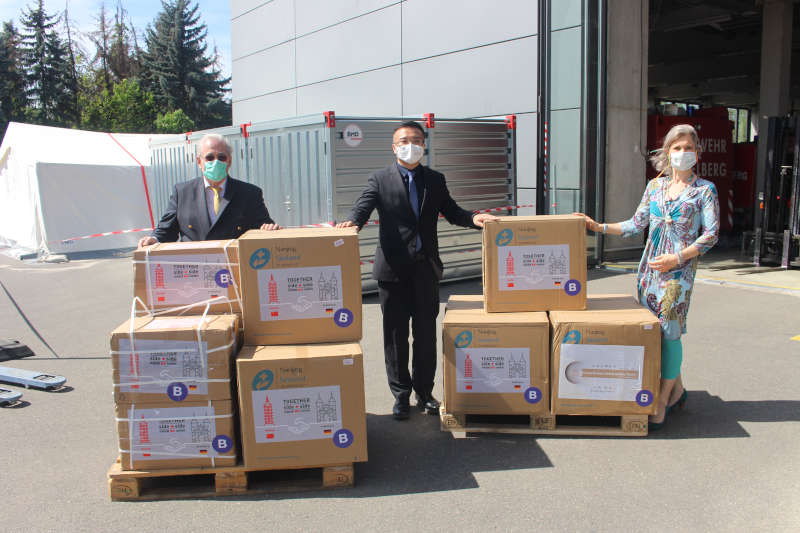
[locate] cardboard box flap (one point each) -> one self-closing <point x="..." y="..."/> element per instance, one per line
<point x="607" y="309"/>
<point x="160" y="324"/>
<point x="267" y="353"/>
<point x="299" y="233"/>
<point x="479" y="316"/>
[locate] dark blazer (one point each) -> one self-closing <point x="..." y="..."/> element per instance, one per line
<point x="398" y="227"/>
<point x="186" y="218"/>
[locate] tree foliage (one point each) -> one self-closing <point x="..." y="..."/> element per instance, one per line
<point x="171" y="84"/>
<point x="45" y="57"/>
<point x="13" y="100"/>
<point x="177" y="70"/>
<point x="174" y="122"/>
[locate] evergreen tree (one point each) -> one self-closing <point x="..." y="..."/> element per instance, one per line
<point x="120" y="52"/>
<point x="12" y="79"/>
<point x="48" y="73"/>
<point x="100" y="38"/>
<point x="177" y="70"/>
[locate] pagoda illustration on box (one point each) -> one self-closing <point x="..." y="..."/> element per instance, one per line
<point x="159" y="276"/>
<point x="269" y="415"/>
<point x="467" y="367"/>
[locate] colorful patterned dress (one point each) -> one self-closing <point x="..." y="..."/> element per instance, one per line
<point x="692" y="218"/>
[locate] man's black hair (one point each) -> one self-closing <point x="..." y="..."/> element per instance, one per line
<point x="410" y="124"/>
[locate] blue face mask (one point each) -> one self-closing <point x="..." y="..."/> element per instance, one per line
<point x="215" y="170"/>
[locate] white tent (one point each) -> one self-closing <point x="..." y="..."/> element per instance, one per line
<point x="58" y="185"/>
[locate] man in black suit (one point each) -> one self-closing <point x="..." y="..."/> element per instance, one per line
<point x="214" y="206"/>
<point x="409" y="198"/>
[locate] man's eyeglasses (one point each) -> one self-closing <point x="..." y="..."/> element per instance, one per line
<point x="219" y="157"/>
<point x="402" y="141"/>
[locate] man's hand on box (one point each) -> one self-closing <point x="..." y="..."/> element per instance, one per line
<point x="147" y="241"/>
<point x="480" y="218"/>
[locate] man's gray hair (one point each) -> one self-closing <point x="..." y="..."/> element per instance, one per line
<point x="219" y="138"/>
<point x="660" y="159"/>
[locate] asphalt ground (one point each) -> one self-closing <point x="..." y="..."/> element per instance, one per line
<point x="730" y="462"/>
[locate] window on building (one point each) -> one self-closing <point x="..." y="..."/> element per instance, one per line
<point x="741" y="124"/>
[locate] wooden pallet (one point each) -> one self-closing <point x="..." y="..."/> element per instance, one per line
<point x="545" y="424"/>
<point x="240" y="480"/>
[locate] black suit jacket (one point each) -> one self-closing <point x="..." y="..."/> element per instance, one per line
<point x="186" y="218"/>
<point x="398" y="227"/>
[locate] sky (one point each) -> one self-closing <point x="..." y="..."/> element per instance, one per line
<point x="83" y="13"/>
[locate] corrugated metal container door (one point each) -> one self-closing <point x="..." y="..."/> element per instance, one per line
<point x="172" y="162"/>
<point x="292" y="166"/>
<point x="360" y="147"/>
<point x="477" y="160"/>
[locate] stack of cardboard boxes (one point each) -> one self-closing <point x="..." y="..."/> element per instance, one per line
<point x="301" y="405"/>
<point x="534" y="343"/>
<point x="176" y="370"/>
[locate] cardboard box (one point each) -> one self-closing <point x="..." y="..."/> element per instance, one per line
<point x="169" y="435"/>
<point x="167" y="363"/>
<point x="535" y="263"/>
<point x="302" y="406"/>
<point x="301" y="286"/>
<point x="494" y="363"/>
<point x="605" y="360"/>
<point x="184" y="275"/>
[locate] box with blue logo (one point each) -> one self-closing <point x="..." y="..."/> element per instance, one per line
<point x="173" y="359"/>
<point x="534" y="263"/>
<point x="494" y="363"/>
<point x="181" y="278"/>
<point x="301" y="286"/>
<point x="302" y="405"/>
<point x="605" y="360"/>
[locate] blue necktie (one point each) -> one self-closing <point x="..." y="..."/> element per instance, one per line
<point x="414" y="198"/>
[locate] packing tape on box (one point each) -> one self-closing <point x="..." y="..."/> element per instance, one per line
<point x="203" y="320"/>
<point x="227" y="264"/>
<point x="132" y="420"/>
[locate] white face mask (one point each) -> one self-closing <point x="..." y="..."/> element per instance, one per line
<point x="410" y="153"/>
<point x="682" y="160"/>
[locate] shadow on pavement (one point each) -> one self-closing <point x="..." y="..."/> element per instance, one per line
<point x="415" y="456"/>
<point x="707" y="416"/>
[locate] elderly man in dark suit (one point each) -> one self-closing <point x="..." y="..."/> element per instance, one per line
<point x="214" y="206"/>
<point x="409" y="198"/>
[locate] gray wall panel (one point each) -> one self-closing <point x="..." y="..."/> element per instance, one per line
<point x="565" y="141"/>
<point x="361" y="44"/>
<point x="527" y="140"/>
<point x="241" y="7"/>
<point x="264" y="26"/>
<point x="375" y="93"/>
<point x="493" y="80"/>
<point x="565" y="69"/>
<point x="526" y="197"/>
<point x="567" y="13"/>
<point x="270" y="107"/>
<point x="474" y="23"/>
<point x="266" y="72"/>
<point x="313" y="15"/>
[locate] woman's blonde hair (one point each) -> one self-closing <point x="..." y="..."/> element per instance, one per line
<point x="660" y="159"/>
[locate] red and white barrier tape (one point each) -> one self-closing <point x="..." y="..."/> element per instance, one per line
<point x="730" y="207"/>
<point x="329" y="224"/>
<point x="104" y="234"/>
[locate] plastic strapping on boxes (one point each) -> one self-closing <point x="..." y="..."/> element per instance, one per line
<point x="227" y="264"/>
<point x="133" y="351"/>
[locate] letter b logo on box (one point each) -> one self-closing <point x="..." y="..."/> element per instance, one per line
<point x="343" y="438"/>
<point x="222" y="443"/>
<point x="533" y="395"/>
<point x="177" y="392"/>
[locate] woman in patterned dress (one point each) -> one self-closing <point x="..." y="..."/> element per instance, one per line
<point x="682" y="212"/>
